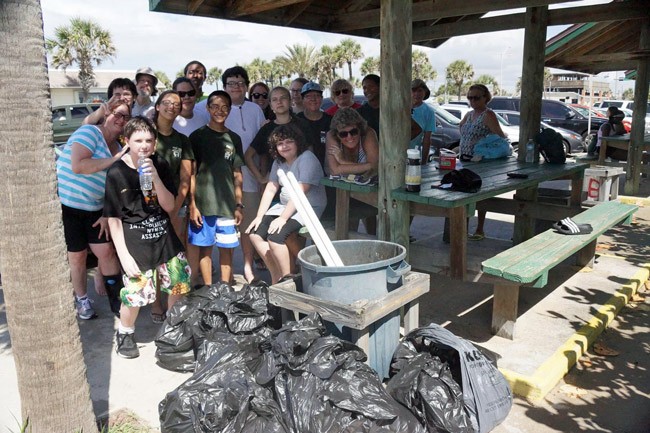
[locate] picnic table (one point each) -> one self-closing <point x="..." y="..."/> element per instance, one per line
<point x="623" y="142"/>
<point x="457" y="206"/>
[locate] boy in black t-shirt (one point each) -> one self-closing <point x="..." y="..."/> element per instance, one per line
<point x="144" y="238"/>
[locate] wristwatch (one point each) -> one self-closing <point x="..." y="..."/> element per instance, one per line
<point x="239" y="206"/>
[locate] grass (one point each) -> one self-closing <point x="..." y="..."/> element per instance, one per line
<point x="121" y="421"/>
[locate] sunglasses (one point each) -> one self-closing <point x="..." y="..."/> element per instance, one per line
<point x="352" y="133"/>
<point x="473" y="98"/>
<point x="344" y="91"/>
<point x="260" y="95"/>
<point x="189" y="93"/>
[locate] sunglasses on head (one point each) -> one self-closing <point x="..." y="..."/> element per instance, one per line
<point x="260" y="95"/>
<point x="189" y="93"/>
<point x="473" y="98"/>
<point x="352" y="132"/>
<point x="344" y="91"/>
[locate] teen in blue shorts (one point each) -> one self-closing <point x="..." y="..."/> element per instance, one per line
<point x="215" y="204"/>
<point x="145" y="241"/>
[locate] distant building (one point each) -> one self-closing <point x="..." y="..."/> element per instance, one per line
<point x="576" y="88"/>
<point x="66" y="89"/>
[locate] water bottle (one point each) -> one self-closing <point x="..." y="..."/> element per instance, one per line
<point x="413" y="175"/>
<point x="530" y="151"/>
<point x="146" y="181"/>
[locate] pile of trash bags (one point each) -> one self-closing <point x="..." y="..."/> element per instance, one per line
<point x="249" y="377"/>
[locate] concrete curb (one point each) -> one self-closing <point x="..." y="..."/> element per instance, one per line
<point x="639" y="201"/>
<point x="535" y="387"/>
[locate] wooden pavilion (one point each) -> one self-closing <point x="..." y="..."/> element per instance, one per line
<point x="399" y="24"/>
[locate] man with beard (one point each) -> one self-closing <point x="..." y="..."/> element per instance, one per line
<point x="145" y="82"/>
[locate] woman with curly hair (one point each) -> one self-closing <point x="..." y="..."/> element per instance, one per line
<point x="273" y="224"/>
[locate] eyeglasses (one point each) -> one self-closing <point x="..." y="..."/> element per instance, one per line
<point x="189" y="93"/>
<point x="222" y="108"/>
<point x="121" y="116"/>
<point x="260" y="95"/>
<point x="352" y="133"/>
<point x="235" y="84"/>
<point x="473" y="98"/>
<point x="171" y="104"/>
<point x="344" y="91"/>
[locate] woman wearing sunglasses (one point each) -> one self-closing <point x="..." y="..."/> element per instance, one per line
<point x="259" y="93"/>
<point x="342" y="96"/>
<point x="353" y="148"/>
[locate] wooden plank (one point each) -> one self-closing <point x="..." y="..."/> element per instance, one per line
<point x="458" y="243"/>
<point x="342" y="214"/>
<point x="540" y="211"/>
<point x="504" y="310"/>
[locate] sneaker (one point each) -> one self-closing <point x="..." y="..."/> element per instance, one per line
<point x="126" y="347"/>
<point x="85" y="310"/>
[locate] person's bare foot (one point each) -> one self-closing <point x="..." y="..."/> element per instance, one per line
<point x="98" y="281"/>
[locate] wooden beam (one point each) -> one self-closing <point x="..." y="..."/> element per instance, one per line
<point x="193" y="5"/>
<point x="293" y="12"/>
<point x="607" y="12"/>
<point x="394" y="118"/>
<point x="432" y="10"/>
<point x="252" y="7"/>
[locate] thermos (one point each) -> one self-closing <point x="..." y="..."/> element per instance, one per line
<point x="413" y="175"/>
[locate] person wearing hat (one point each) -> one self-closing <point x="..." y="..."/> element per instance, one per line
<point x="425" y="116"/>
<point x="146" y="82"/>
<point x="312" y="98"/>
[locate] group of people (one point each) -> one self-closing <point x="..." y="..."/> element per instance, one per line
<point x="214" y="162"/>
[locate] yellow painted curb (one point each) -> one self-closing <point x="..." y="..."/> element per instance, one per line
<point x="639" y="201"/>
<point x="543" y="380"/>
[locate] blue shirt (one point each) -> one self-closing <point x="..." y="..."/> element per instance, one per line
<point x="425" y="116"/>
<point x="83" y="191"/>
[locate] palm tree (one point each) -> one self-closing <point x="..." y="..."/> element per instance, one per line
<point x="214" y="76"/>
<point x="258" y="70"/>
<point x="489" y="81"/>
<point x="422" y="66"/>
<point x="548" y="77"/>
<point x="54" y="392"/>
<point x="84" y="43"/>
<point x="180" y="73"/>
<point x="370" y="65"/>
<point x="299" y="59"/>
<point x="164" y="79"/>
<point x="326" y="64"/>
<point x="349" y="51"/>
<point x="458" y="71"/>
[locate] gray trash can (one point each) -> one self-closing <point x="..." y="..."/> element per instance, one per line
<point x="372" y="269"/>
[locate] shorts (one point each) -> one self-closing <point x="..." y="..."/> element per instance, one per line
<point x="292" y="226"/>
<point x="78" y="228"/>
<point x="215" y="230"/>
<point x="251" y="202"/>
<point x="173" y="276"/>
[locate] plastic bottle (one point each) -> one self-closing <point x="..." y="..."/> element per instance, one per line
<point x="530" y="151"/>
<point x="413" y="175"/>
<point x="146" y="181"/>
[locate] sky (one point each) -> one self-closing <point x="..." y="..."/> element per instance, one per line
<point x="167" y="42"/>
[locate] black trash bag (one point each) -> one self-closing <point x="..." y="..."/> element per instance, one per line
<point x="463" y="180"/>
<point x="322" y="384"/>
<point x="222" y="395"/>
<point x="487" y="396"/>
<point x="425" y="385"/>
<point x="551" y="146"/>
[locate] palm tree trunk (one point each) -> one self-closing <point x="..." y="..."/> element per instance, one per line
<point x="54" y="392"/>
<point x="350" y="70"/>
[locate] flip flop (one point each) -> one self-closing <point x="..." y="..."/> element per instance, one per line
<point x="569" y="227"/>
<point x="476" y="237"/>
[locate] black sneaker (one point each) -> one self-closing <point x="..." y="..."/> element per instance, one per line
<point x="126" y="347"/>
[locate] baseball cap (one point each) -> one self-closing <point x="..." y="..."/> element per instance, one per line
<point x="310" y="86"/>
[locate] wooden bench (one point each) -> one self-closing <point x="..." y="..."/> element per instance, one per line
<point x="359" y="315"/>
<point x="530" y="262"/>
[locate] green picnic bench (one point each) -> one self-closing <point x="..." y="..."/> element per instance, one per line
<point x="529" y="262"/>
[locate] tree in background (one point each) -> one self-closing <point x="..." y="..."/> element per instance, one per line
<point x="490" y="82"/>
<point x="214" y="76"/>
<point x="299" y="59"/>
<point x="458" y="72"/>
<point x="628" y="94"/>
<point x="548" y="77"/>
<point x="370" y="65"/>
<point x="258" y="70"/>
<point x="83" y="43"/>
<point x="180" y="73"/>
<point x="325" y="66"/>
<point x="45" y="343"/>
<point x="349" y="51"/>
<point x="163" y="79"/>
<point x="422" y="68"/>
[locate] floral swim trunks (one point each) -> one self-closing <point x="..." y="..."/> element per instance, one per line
<point x="174" y="277"/>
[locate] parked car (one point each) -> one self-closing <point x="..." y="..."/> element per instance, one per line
<point x="511" y="130"/>
<point x="461" y="103"/>
<point x="457" y="110"/>
<point x="615" y="103"/>
<point x="66" y="119"/>
<point x="554" y="113"/>
<point x="584" y="110"/>
<point x="447" y="133"/>
<point x="572" y="141"/>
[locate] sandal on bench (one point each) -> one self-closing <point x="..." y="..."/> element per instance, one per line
<point x="569" y="227"/>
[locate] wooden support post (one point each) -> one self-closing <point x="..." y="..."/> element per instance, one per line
<point x="342" y="214"/>
<point x="504" y="310"/>
<point x="394" y="117"/>
<point x="585" y="257"/>
<point x="458" y="242"/>
<point x="635" y="152"/>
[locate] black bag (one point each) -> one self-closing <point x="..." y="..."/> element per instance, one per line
<point x="551" y="146"/>
<point x="463" y="180"/>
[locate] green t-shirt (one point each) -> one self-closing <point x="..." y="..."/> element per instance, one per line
<point x="173" y="148"/>
<point x="217" y="156"/>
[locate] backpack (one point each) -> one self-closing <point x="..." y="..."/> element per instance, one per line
<point x="551" y="146"/>
<point x="462" y="180"/>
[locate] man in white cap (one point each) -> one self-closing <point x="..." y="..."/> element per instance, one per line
<point x="146" y="82"/>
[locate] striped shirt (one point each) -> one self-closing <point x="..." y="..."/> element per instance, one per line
<point x="83" y="191"/>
